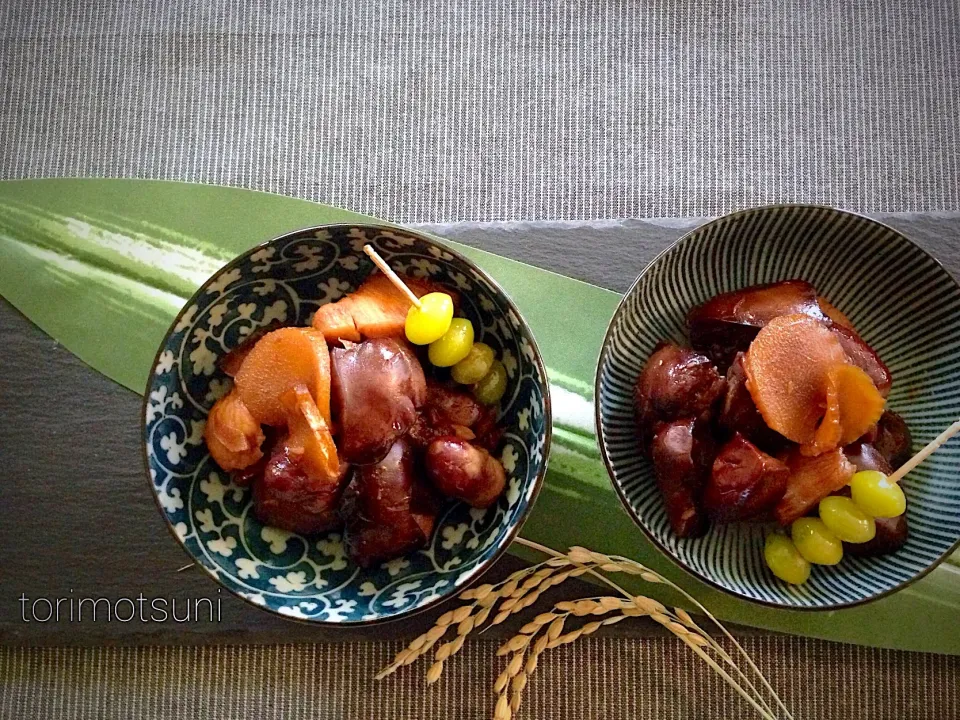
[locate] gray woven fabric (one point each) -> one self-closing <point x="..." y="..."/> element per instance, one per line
<point x="599" y="679"/>
<point x="440" y="111"/>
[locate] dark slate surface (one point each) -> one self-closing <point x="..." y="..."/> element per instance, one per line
<point x="79" y="518"/>
<point x="611" y="253"/>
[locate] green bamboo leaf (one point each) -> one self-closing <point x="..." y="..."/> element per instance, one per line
<point x="103" y="266"/>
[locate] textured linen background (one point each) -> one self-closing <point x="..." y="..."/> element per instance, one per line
<point x="536" y="109"/>
<point x="447" y="111"/>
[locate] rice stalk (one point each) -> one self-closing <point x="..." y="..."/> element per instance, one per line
<point x="493" y="604"/>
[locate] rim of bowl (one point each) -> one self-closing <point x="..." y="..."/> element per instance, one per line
<point x="511" y="535"/>
<point x="605" y="351"/>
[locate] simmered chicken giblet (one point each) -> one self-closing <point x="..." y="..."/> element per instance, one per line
<point x="389" y="510"/>
<point x="361" y="417"/>
<point x="893" y="439"/>
<point x="459" y="469"/>
<point x="745" y="483"/>
<point x="726" y="324"/>
<point x="488" y="432"/>
<point x="676" y="383"/>
<point x="377" y="387"/>
<point x="682" y="455"/>
<point x="865" y="456"/>
<point x="289" y="496"/>
<point x="451" y="412"/>
<point x="451" y="405"/>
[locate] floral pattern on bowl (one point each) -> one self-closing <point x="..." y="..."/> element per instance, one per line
<point x="285" y="281"/>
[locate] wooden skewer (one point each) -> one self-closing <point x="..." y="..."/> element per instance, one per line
<point x="932" y="447"/>
<point x="391" y="275"/>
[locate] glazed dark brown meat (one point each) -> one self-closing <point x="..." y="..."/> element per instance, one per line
<point x="488" y="431"/>
<point x="389" y="510"/>
<point x="244" y="477"/>
<point x="453" y="412"/>
<point x="745" y="483"/>
<point x="864" y="357"/>
<point x="865" y="456"/>
<point x="893" y="439"/>
<point x="447" y="412"/>
<point x="739" y="413"/>
<point x="451" y="405"/>
<point x="376" y="388"/>
<point x="726" y="324"/>
<point x="424" y="431"/>
<point x="675" y="383"/>
<point x="460" y="470"/>
<point x="285" y="496"/>
<point x="682" y="454"/>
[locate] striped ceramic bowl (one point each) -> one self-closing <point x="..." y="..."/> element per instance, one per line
<point x="904" y="304"/>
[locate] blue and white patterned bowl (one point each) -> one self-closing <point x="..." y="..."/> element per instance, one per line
<point x="903" y="303"/>
<point x="286" y="280"/>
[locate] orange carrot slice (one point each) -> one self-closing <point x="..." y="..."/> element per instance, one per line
<point x="279" y="361"/>
<point x="787" y="366"/>
<point x="830" y="431"/>
<point x="310" y="437"/>
<point x="860" y="403"/>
